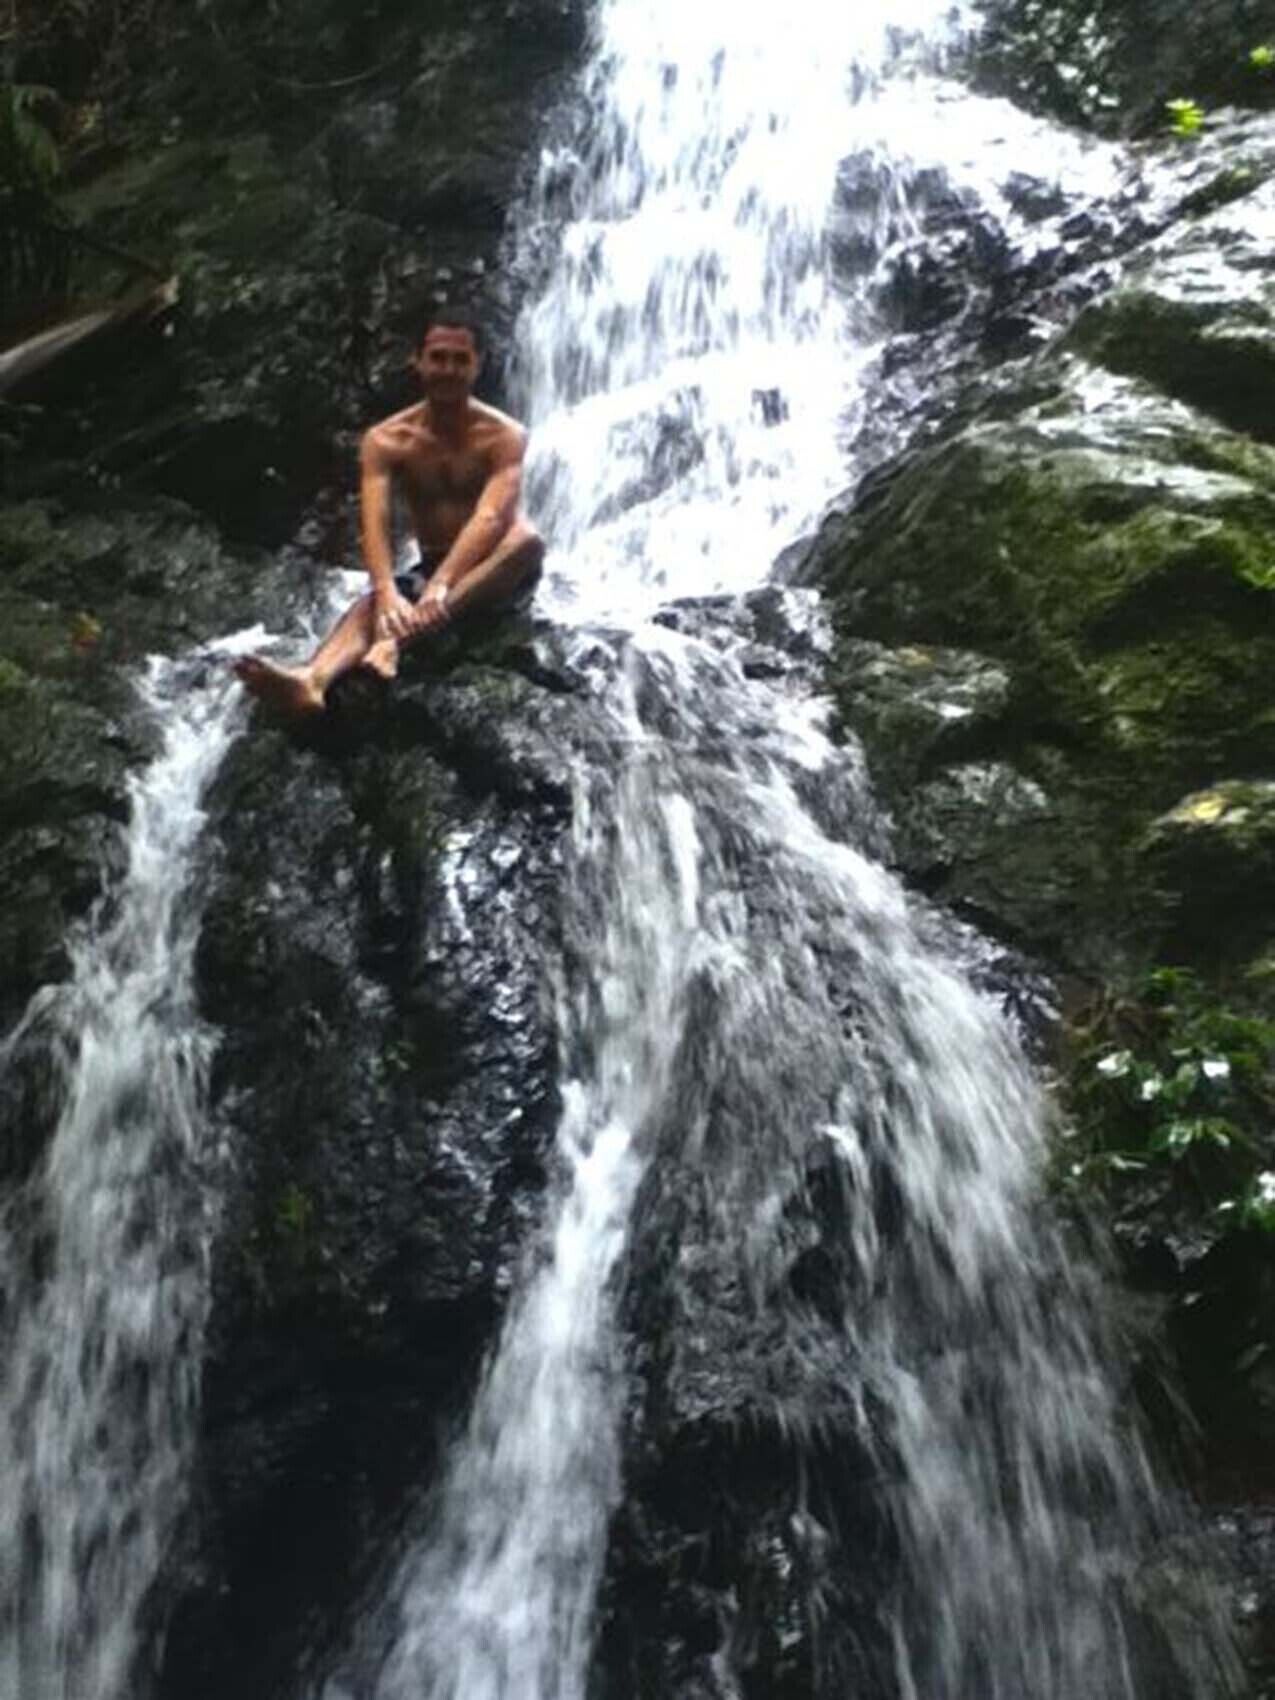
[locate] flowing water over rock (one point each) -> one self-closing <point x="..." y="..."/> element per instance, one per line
<point x="795" y="1197"/>
<point x="777" y="1066"/>
<point x="105" y="1247"/>
<point x="501" y="1600"/>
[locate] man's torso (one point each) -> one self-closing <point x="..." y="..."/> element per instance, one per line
<point x="442" y="478"/>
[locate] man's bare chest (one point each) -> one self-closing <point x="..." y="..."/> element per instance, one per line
<point x="453" y="476"/>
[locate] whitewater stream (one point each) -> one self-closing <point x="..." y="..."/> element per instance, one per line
<point x="744" y="988"/>
<point x="104" y="1248"/>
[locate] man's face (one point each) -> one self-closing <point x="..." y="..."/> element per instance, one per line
<point x="447" y="363"/>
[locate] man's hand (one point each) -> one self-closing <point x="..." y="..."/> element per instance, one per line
<point x="432" y="611"/>
<point x="395" y="617"/>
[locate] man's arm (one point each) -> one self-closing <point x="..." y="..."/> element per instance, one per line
<point x="393" y="612"/>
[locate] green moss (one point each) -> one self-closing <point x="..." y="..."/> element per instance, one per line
<point x="1224" y="451"/>
<point x="1129" y="599"/>
<point x="1231" y="184"/>
<point x="1218" y="355"/>
<point x="1161" y="542"/>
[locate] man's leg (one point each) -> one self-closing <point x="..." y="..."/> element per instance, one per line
<point x="496" y="580"/>
<point x="302" y="690"/>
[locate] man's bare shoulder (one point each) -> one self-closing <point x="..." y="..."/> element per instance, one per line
<point x="390" y="439"/>
<point x="495" y="431"/>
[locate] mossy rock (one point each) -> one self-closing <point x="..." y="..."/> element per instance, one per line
<point x="1113" y="554"/>
<point x="63" y="766"/>
<point x="1213" y="853"/>
<point x="1196" y="316"/>
<point x="918" y="705"/>
<point x="84" y="596"/>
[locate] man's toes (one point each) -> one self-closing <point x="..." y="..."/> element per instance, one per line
<point x="286" y="689"/>
<point x="382" y="659"/>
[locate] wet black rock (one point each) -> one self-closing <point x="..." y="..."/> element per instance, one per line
<point x="377" y="951"/>
<point x="81" y="584"/>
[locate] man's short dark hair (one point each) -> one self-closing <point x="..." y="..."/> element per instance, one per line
<point x="453" y="319"/>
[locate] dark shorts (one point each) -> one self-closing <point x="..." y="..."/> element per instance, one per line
<point x="412" y="584"/>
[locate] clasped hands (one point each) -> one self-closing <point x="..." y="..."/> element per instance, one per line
<point x="398" y="618"/>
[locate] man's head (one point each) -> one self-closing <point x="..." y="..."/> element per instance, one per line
<point x="449" y="356"/>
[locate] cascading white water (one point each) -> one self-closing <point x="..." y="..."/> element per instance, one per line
<point x="499" y="1601"/>
<point x="103" y="1254"/>
<point x="693" y="364"/>
<point x="689" y="370"/>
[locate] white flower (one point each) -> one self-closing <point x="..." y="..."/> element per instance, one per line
<point x="1216" y="1068"/>
<point x="1114" y="1064"/>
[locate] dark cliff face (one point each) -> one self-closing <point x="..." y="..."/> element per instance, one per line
<point x="315" y="179"/>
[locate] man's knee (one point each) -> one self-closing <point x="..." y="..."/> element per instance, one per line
<point x="527" y="541"/>
<point x="524" y="554"/>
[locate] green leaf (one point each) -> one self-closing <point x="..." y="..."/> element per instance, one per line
<point x="1176" y="1138"/>
<point x="1262" y="58"/>
<point x="1115" y="1065"/>
<point x="29" y="155"/>
<point x="1186" y="118"/>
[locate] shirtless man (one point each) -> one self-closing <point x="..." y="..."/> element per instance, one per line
<point x="459" y="465"/>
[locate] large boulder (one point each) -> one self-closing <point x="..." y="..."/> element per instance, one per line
<point x="1107" y="548"/>
<point x="375" y="951"/>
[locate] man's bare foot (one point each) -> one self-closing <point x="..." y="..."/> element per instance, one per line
<point x="290" y="690"/>
<point x="382" y="659"/>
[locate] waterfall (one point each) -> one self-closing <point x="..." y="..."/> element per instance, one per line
<point x="748" y="995"/>
<point x="500" y="1600"/>
<point x="104" y="1247"/>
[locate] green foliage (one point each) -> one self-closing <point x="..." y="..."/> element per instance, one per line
<point x="29" y="153"/>
<point x="1173" y="1085"/>
<point x="294" y="1217"/>
<point x="1186" y="117"/>
<point x="33" y="252"/>
<point x="13" y="681"/>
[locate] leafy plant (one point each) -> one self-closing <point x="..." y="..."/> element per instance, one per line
<point x="29" y="153"/>
<point x="1186" y="117"/>
<point x="294" y="1214"/>
<point x="1174" y="1085"/>
<point x="34" y="257"/>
